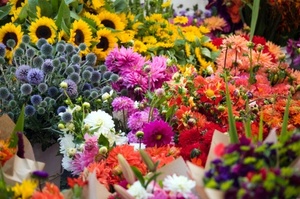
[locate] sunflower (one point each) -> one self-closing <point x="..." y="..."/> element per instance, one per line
<point x="62" y="35"/>
<point x="111" y="20"/>
<point x="126" y="36"/>
<point x="80" y="33"/>
<point x="10" y="31"/>
<point x="16" y="7"/>
<point x="43" y="27"/>
<point x="106" y="42"/>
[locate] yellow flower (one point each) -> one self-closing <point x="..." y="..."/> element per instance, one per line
<point x="187" y="49"/>
<point x="43" y="27"/>
<point x="16" y="7"/>
<point x="96" y="4"/>
<point x="214" y="23"/>
<point x="24" y="190"/>
<point x="211" y="46"/>
<point x="62" y="35"/>
<point x="203" y="30"/>
<point x="126" y="36"/>
<point x="181" y="20"/>
<point x="11" y="31"/>
<point x="106" y="42"/>
<point x="111" y="20"/>
<point x="93" y="18"/>
<point x="166" y="4"/>
<point x="80" y="33"/>
<point x="139" y="46"/>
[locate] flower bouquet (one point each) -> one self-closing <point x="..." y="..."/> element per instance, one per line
<point x="34" y="79"/>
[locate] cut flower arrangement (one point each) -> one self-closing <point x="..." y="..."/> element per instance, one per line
<point x="34" y="79"/>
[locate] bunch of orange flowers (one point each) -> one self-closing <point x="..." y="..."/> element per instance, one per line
<point x="6" y="151"/>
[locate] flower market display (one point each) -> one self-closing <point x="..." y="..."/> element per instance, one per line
<point x="148" y="101"/>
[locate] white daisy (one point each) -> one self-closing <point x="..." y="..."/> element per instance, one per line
<point x="138" y="191"/>
<point x="66" y="142"/>
<point x="100" y="121"/>
<point x="66" y="163"/>
<point x="179" y="184"/>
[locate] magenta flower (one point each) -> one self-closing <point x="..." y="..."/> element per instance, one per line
<point x="138" y="119"/>
<point x="157" y="133"/>
<point x="123" y="104"/>
<point x="121" y="59"/>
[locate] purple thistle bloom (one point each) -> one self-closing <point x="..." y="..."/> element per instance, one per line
<point x="20" y="151"/>
<point x="157" y="133"/>
<point x="21" y="72"/>
<point x="123" y="104"/>
<point x="72" y="88"/>
<point x="40" y="174"/>
<point x="47" y="66"/>
<point x="35" y="76"/>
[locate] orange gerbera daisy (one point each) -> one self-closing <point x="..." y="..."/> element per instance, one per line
<point x="5" y="151"/>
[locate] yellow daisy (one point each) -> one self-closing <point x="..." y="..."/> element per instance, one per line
<point x="98" y="4"/>
<point x="181" y="20"/>
<point x="166" y="4"/>
<point x="139" y="46"/>
<point x="111" y="20"/>
<point x="11" y="31"/>
<point x="24" y="190"/>
<point x="80" y="33"/>
<point x="126" y="36"/>
<point x="43" y="27"/>
<point x="187" y="49"/>
<point x="106" y="42"/>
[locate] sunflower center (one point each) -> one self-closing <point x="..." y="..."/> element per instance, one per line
<point x="10" y="35"/>
<point x="103" y="44"/>
<point x="43" y="32"/>
<point x="19" y="3"/>
<point x="79" y="37"/>
<point x="108" y="23"/>
<point x="158" y="137"/>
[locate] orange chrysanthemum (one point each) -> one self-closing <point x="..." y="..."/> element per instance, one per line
<point x="5" y="151"/>
<point x="50" y="191"/>
<point x="102" y="172"/>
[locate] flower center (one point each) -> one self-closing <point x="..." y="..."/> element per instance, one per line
<point x="8" y="36"/>
<point x="108" y="23"/>
<point x="79" y="37"/>
<point x="19" y="3"/>
<point x="158" y="137"/>
<point x="209" y="93"/>
<point x="43" y="32"/>
<point x="103" y="44"/>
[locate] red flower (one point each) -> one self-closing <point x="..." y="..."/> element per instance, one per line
<point x="219" y="150"/>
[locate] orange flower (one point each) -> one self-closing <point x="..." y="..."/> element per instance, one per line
<point x="50" y="191"/>
<point x="76" y="181"/>
<point x="5" y="151"/>
<point x="102" y="172"/>
<point x="132" y="157"/>
<point x="164" y="155"/>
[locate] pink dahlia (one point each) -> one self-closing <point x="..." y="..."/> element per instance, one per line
<point x="157" y="133"/>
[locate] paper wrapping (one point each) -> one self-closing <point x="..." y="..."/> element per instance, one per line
<point x="16" y="169"/>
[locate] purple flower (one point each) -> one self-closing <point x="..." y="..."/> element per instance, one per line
<point x="47" y="66"/>
<point x="124" y="58"/>
<point x="72" y="88"/>
<point x="157" y="133"/>
<point x="21" y="72"/>
<point x="35" y="76"/>
<point x="40" y="174"/>
<point x="131" y="137"/>
<point x="123" y="104"/>
<point x="137" y="120"/>
<point x="21" y="147"/>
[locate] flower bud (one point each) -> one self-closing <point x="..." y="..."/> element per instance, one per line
<point x="61" y="126"/>
<point x="139" y="134"/>
<point x="71" y="152"/>
<point x="64" y="85"/>
<point x="103" y="150"/>
<point x="86" y="105"/>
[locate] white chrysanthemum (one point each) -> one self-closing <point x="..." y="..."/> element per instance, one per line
<point x="114" y="138"/>
<point x="66" y="142"/>
<point x="138" y="191"/>
<point x="179" y="184"/>
<point x="66" y="163"/>
<point x="101" y="121"/>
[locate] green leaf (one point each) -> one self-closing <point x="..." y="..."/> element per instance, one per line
<point x="55" y="5"/>
<point x="32" y="5"/>
<point x="152" y="178"/>
<point x="103" y="141"/>
<point x="206" y="52"/>
<point x="62" y="15"/>
<point x="138" y="175"/>
<point x="261" y="128"/>
<point x="46" y="8"/>
<point x="254" y="17"/>
<point x="120" y="6"/>
<point x="23" y="13"/>
<point x="4" y="11"/>
<point x="226" y="185"/>
<point x="18" y="128"/>
<point x="285" y="117"/>
<point x="232" y="128"/>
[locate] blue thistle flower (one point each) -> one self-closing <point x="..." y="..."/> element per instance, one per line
<point x="38" y="62"/>
<point x="75" y="77"/>
<point x="2" y="50"/>
<point x="96" y="76"/>
<point x="26" y="39"/>
<point x="72" y="88"/>
<point x="61" y="109"/>
<point x="26" y="89"/>
<point x="46" y="49"/>
<point x="22" y="72"/>
<point x="4" y="93"/>
<point x="29" y="110"/>
<point x="47" y="66"/>
<point x="36" y="100"/>
<point x="42" y="87"/>
<point x="53" y="91"/>
<point x="35" y="76"/>
<point x="86" y="75"/>
<point x="66" y="117"/>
